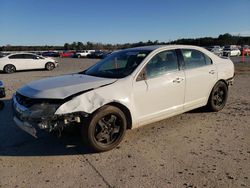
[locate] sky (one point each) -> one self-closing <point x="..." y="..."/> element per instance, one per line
<point x="55" y="22"/>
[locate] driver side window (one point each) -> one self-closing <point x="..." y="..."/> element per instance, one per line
<point x="161" y="64"/>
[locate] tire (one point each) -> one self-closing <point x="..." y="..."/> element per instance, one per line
<point x="105" y="129"/>
<point x="49" y="66"/>
<point x="218" y="97"/>
<point x="9" y="68"/>
<point x="79" y="56"/>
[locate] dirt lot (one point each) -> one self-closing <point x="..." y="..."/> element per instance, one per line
<point x="195" y="149"/>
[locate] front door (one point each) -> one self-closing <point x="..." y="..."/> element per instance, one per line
<point x="160" y="92"/>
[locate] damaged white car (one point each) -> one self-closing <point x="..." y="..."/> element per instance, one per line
<point x="128" y="89"/>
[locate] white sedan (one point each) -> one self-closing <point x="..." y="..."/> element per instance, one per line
<point x="25" y="61"/>
<point x="231" y="52"/>
<point x="128" y="89"/>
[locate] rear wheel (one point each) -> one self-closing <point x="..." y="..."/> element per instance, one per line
<point x="105" y="129"/>
<point x="49" y="66"/>
<point x="218" y="97"/>
<point x="9" y="68"/>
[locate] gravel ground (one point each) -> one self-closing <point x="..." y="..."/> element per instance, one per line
<point x="195" y="149"/>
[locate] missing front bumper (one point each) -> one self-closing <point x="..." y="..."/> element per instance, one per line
<point x="25" y="126"/>
<point x="33" y="120"/>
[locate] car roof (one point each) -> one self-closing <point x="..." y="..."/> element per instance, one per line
<point x="155" y="47"/>
<point x="16" y="53"/>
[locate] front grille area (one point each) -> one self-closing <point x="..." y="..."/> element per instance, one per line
<point x="28" y="102"/>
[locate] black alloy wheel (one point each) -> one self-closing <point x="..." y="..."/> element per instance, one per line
<point x="105" y="129"/>
<point x="218" y="97"/>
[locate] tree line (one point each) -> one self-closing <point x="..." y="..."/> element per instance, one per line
<point x="221" y="40"/>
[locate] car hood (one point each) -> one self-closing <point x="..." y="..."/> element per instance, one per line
<point x="61" y="87"/>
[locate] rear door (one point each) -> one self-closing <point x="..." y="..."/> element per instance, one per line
<point x="200" y="74"/>
<point x="18" y="61"/>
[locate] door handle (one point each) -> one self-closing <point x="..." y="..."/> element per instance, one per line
<point x="178" y="80"/>
<point x="211" y="71"/>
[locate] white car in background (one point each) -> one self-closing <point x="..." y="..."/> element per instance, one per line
<point x="128" y="89"/>
<point x="26" y="61"/>
<point x="84" y="53"/>
<point x="231" y="51"/>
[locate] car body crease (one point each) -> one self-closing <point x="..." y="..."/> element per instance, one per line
<point x="85" y="91"/>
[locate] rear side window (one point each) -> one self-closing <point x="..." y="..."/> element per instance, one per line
<point x="193" y="58"/>
<point x="29" y="56"/>
<point x="17" y="56"/>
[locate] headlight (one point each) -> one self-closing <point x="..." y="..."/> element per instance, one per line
<point x="43" y="110"/>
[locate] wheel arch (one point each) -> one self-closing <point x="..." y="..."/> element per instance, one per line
<point x="48" y="62"/>
<point x="125" y="110"/>
<point x="222" y="80"/>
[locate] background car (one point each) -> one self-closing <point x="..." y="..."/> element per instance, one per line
<point x="246" y="50"/>
<point x="84" y="53"/>
<point x="217" y="50"/>
<point x="97" y="54"/>
<point x="26" y="61"/>
<point x="231" y="51"/>
<point x="50" y="54"/>
<point x="67" y="54"/>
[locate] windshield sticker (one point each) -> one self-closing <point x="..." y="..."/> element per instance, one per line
<point x="141" y="55"/>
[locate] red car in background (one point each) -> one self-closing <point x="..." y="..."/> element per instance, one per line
<point x="246" y="50"/>
<point x="67" y="54"/>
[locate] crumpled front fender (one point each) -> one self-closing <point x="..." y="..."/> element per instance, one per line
<point x="92" y="100"/>
<point x="87" y="102"/>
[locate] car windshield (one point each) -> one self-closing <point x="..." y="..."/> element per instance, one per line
<point x="119" y="64"/>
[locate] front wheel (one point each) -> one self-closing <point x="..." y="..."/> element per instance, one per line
<point x="49" y="66"/>
<point x="218" y="97"/>
<point x="105" y="129"/>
